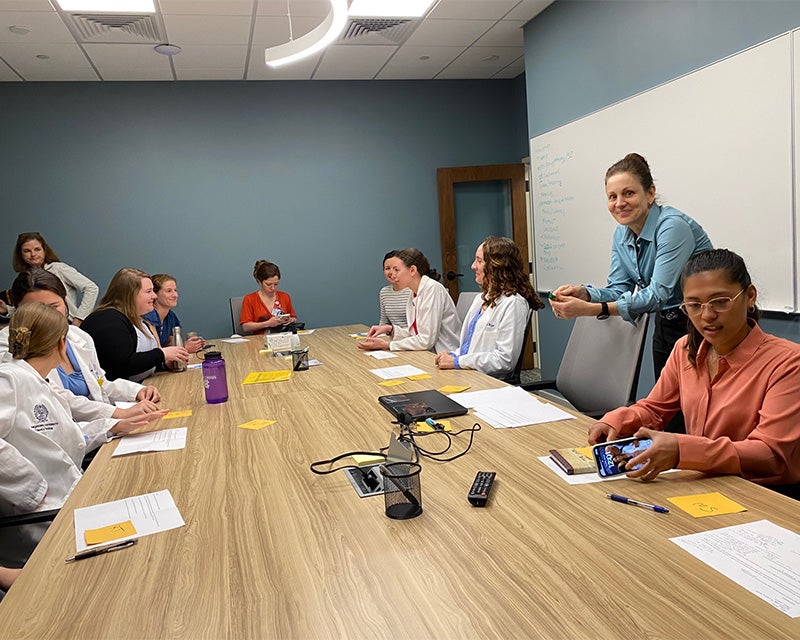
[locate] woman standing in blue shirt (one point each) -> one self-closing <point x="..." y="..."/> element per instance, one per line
<point x="650" y="247"/>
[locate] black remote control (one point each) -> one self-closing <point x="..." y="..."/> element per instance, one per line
<point x="479" y="493"/>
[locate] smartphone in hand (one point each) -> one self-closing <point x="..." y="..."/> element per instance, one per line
<point x="612" y="457"/>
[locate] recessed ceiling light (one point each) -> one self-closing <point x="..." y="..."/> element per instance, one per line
<point x="20" y="31"/>
<point x="389" y="8"/>
<point x="167" y="49"/>
<point x="108" y="6"/>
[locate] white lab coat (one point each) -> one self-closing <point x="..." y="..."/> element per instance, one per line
<point x="497" y="339"/>
<point x="102" y="395"/>
<point x="41" y="449"/>
<point x="436" y="321"/>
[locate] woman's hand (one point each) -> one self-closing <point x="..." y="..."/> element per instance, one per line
<point x="662" y="455"/>
<point x="380" y="330"/>
<point x="149" y="393"/>
<point x="445" y="360"/>
<point x="571" y="291"/>
<point x="175" y="354"/>
<point x="602" y="432"/>
<point x="195" y="344"/>
<point x="372" y="344"/>
<point x="128" y="425"/>
<point x="140" y="408"/>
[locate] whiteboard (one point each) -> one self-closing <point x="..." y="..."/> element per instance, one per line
<point x="719" y="145"/>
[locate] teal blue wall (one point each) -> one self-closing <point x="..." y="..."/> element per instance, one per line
<point x="201" y="179"/>
<point x="582" y="55"/>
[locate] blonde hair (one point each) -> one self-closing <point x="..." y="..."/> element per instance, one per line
<point x="121" y="294"/>
<point x="35" y="330"/>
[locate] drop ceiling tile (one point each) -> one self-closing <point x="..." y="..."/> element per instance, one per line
<point x="300" y="70"/>
<point x="183" y="30"/>
<point x="345" y="62"/>
<point x="528" y="9"/>
<point x="45" y="27"/>
<point x="195" y="56"/>
<point x="138" y="75"/>
<point x="272" y="31"/>
<point x="481" y="62"/>
<point x="207" y="7"/>
<point x="300" y="8"/>
<point x="26" y="5"/>
<point x="449" y="33"/>
<point x="512" y="70"/>
<point x="506" y="33"/>
<point x="472" y="9"/>
<point x="407" y="65"/>
<point x="6" y="74"/>
<point x="210" y="74"/>
<point x="107" y="57"/>
<point x="66" y="63"/>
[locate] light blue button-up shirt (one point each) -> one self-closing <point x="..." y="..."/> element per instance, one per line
<point x="646" y="271"/>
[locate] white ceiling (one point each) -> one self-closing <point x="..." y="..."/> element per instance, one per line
<point x="225" y="40"/>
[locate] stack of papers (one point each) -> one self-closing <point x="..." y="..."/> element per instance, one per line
<point x="509" y="407"/>
<point x="154" y="441"/>
<point x="390" y="373"/>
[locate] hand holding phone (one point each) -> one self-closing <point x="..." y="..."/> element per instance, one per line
<point x="612" y="457"/>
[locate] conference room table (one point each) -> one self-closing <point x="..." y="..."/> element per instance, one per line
<point x="271" y="550"/>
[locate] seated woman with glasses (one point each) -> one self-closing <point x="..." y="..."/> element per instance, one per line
<point x="736" y="385"/>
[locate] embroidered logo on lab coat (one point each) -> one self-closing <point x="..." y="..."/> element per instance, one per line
<point x="40" y="412"/>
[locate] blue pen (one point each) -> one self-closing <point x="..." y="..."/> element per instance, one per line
<point x="636" y="503"/>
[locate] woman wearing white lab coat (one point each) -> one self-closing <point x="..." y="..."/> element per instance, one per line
<point x="431" y="315"/>
<point x="494" y="328"/>
<point x="81" y="371"/>
<point x="41" y="446"/>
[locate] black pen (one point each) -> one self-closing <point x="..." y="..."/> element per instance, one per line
<point x="91" y="553"/>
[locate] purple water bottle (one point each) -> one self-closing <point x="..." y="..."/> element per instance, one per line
<point x="215" y="382"/>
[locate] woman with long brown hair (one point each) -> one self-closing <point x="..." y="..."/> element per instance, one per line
<point x="494" y="327"/>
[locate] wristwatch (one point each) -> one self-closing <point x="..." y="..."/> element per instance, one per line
<point x="603" y="315"/>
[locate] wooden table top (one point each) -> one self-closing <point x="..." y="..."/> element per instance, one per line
<point x="271" y="550"/>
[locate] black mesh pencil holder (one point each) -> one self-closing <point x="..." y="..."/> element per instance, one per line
<point x="402" y="492"/>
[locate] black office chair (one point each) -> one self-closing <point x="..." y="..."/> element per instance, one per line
<point x="236" y="312"/>
<point x="513" y="377"/>
<point x="28" y="518"/>
<point x="600" y="368"/>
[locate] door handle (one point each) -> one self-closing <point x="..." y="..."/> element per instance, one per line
<point x="452" y="275"/>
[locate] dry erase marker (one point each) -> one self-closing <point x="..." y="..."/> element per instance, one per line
<point x="91" y="553"/>
<point x="551" y="296"/>
<point x="636" y="503"/>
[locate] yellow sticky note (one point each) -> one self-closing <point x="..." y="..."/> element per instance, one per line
<point x="424" y="427"/>
<point x="707" y="504"/>
<point x="420" y="376"/>
<point x="257" y="377"/>
<point x="178" y="414"/>
<point x="362" y="460"/>
<point x="392" y="383"/>
<point x="452" y="388"/>
<point x="257" y="424"/>
<point x="109" y="533"/>
<point x="585" y="451"/>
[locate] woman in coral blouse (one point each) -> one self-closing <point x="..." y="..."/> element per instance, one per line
<point x="736" y="385"/>
<point x="266" y="308"/>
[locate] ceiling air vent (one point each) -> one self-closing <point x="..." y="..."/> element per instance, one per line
<point x="377" y="30"/>
<point x="115" y="28"/>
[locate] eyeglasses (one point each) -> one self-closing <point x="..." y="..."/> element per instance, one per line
<point x="717" y="305"/>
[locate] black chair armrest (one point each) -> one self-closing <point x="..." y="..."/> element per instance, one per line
<point x="28" y="518"/>
<point x="542" y="384"/>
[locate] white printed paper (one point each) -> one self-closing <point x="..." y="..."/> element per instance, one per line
<point x="165" y="440"/>
<point x="390" y="373"/>
<point x="150" y="513"/>
<point x="759" y="556"/>
<point x="509" y="407"/>
<point x="381" y="355"/>
<point x="235" y="340"/>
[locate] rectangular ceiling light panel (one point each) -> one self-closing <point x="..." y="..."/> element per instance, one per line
<point x="108" y="6"/>
<point x="389" y="8"/>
